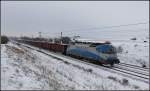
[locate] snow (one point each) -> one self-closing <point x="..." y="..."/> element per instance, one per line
<point x="26" y="69"/>
<point x="136" y="53"/>
<point x="91" y="41"/>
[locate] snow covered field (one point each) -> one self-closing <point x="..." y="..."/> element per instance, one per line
<point x="135" y="47"/>
<point x="25" y="69"/>
<point x="134" y="53"/>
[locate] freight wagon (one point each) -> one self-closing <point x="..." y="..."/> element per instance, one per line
<point x="46" y="45"/>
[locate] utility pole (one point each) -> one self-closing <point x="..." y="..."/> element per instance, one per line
<point x="32" y="36"/>
<point x="40" y="36"/>
<point x="20" y="35"/>
<point x="61" y="37"/>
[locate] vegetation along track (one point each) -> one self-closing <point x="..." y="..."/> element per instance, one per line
<point x="116" y="69"/>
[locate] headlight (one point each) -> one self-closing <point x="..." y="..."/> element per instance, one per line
<point x="116" y="61"/>
<point x="113" y="60"/>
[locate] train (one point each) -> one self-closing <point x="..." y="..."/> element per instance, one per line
<point x="101" y="53"/>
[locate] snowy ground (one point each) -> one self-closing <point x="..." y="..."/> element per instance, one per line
<point x="25" y="69"/>
<point x="133" y="52"/>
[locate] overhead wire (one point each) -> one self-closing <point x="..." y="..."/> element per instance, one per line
<point x="107" y="27"/>
<point x="72" y="31"/>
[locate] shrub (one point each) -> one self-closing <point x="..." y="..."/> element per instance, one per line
<point x="119" y="49"/>
<point x="113" y="78"/>
<point x="66" y="40"/>
<point x="57" y="40"/>
<point x="125" y="82"/>
<point x="89" y="70"/>
<point x="135" y="45"/>
<point x="133" y="38"/>
<point x="4" y="40"/>
<point x="143" y="65"/>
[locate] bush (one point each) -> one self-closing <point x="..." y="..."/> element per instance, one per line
<point x="57" y="40"/>
<point x="135" y="45"/>
<point x="125" y="82"/>
<point x="119" y="49"/>
<point x="133" y="38"/>
<point x="143" y="65"/>
<point x="66" y="40"/>
<point x="113" y="78"/>
<point x="4" y="40"/>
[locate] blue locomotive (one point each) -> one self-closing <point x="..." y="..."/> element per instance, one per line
<point x="100" y="53"/>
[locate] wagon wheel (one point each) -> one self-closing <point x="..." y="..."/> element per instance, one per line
<point x="100" y="64"/>
<point x="112" y="64"/>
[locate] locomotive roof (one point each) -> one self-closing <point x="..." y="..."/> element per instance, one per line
<point x="93" y="41"/>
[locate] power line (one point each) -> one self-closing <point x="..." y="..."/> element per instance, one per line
<point x="107" y="27"/>
<point x="116" y="30"/>
<point x="91" y="32"/>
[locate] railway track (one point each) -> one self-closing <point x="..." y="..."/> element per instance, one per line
<point x="132" y="72"/>
<point x="136" y="70"/>
<point x="134" y="66"/>
<point x="126" y="70"/>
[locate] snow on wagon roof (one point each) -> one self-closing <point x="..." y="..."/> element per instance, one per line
<point x="93" y="41"/>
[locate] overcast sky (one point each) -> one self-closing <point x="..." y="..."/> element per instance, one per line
<point x="77" y="17"/>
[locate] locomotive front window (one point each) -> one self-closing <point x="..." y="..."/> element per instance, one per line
<point x="111" y="51"/>
<point x="108" y="49"/>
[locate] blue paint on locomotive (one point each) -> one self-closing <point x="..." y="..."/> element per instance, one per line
<point x="104" y="48"/>
<point x="104" y="53"/>
<point x="84" y="53"/>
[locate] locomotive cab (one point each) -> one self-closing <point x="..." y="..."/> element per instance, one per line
<point x="108" y="53"/>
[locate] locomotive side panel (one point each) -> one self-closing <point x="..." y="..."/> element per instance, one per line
<point x="91" y="54"/>
<point x="83" y="53"/>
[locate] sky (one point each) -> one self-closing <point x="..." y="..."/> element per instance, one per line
<point x="84" y="18"/>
